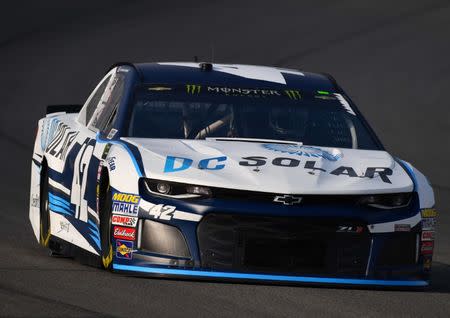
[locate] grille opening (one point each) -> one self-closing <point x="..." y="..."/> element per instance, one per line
<point x="284" y="245"/>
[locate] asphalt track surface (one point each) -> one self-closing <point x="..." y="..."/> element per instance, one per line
<point x="392" y="57"/>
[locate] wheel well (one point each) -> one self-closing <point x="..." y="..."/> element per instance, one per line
<point x="103" y="184"/>
<point x="44" y="165"/>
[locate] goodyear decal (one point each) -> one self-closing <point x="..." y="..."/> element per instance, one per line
<point x="125" y="203"/>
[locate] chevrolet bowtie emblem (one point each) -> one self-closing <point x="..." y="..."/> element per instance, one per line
<point x="288" y="199"/>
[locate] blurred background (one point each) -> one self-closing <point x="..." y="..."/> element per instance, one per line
<point x="392" y="58"/>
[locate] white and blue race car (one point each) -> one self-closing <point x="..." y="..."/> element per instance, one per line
<point x="228" y="172"/>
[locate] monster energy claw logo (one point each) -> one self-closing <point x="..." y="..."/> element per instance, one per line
<point x="193" y="89"/>
<point x="292" y="94"/>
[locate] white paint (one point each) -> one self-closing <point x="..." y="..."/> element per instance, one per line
<point x="58" y="186"/>
<point x="345" y="104"/>
<point x="186" y="216"/>
<point x="261" y="73"/>
<point x="71" y="236"/>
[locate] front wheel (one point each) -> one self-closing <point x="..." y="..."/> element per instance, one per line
<point x="105" y="230"/>
<point x="44" y="209"/>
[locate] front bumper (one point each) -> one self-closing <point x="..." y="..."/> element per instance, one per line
<point x="202" y="274"/>
<point x="359" y="258"/>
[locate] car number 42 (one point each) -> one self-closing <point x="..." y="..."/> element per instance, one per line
<point x="161" y="211"/>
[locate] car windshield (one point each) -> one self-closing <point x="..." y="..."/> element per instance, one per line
<point x="318" y="118"/>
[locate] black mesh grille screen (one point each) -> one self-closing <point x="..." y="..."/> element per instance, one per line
<point x="283" y="245"/>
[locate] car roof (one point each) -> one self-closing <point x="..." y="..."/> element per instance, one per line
<point x="232" y="75"/>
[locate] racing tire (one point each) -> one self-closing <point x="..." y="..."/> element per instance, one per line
<point x="45" y="233"/>
<point x="105" y="230"/>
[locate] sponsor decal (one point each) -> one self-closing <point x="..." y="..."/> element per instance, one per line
<point x="124" y="220"/>
<point x="349" y="229"/>
<point x="48" y="131"/>
<point x="124" y="249"/>
<point x="428" y="223"/>
<point x="161" y="211"/>
<point x="244" y="91"/>
<point x="305" y="151"/>
<point x="325" y="97"/>
<point x="193" y="89"/>
<point x="429" y="213"/>
<point x="106" y="150"/>
<point x="62" y="142"/>
<point x="427" y="247"/>
<point x="64" y="226"/>
<point x="111" y="161"/>
<point x="402" y="227"/>
<point x="174" y="164"/>
<point x="97" y="186"/>
<point x="293" y="94"/>
<point x="112" y="133"/>
<point x="125" y="203"/>
<point x="257" y="161"/>
<point x="159" y="88"/>
<point x="288" y="199"/>
<point x="428" y="236"/>
<point x="237" y="91"/>
<point x="124" y="233"/>
<point x="35" y="201"/>
<point x="427" y="263"/>
<point x="126" y="197"/>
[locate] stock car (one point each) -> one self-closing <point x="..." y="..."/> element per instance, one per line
<point x="228" y="172"/>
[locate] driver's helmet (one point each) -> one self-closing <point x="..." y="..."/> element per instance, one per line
<point x="288" y="122"/>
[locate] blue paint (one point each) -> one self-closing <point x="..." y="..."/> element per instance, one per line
<point x="91" y="223"/>
<point x="96" y="240"/>
<point x="170" y="164"/>
<point x="133" y="159"/>
<point x="203" y="164"/>
<point x="281" y="278"/>
<point x="58" y="209"/>
<point x="410" y="172"/>
<point x="56" y="199"/>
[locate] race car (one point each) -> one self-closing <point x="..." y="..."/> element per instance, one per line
<point x="228" y="172"/>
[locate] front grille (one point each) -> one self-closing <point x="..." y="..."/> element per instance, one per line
<point x="399" y="249"/>
<point x="284" y="245"/>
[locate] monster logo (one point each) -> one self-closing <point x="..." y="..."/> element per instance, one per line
<point x="193" y="89"/>
<point x="293" y="94"/>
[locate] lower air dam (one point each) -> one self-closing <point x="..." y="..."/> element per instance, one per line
<point x="280" y="278"/>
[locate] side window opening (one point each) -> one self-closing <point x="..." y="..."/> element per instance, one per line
<point x="92" y="105"/>
<point x="107" y="108"/>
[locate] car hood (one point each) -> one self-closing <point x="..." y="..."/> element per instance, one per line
<point x="272" y="167"/>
